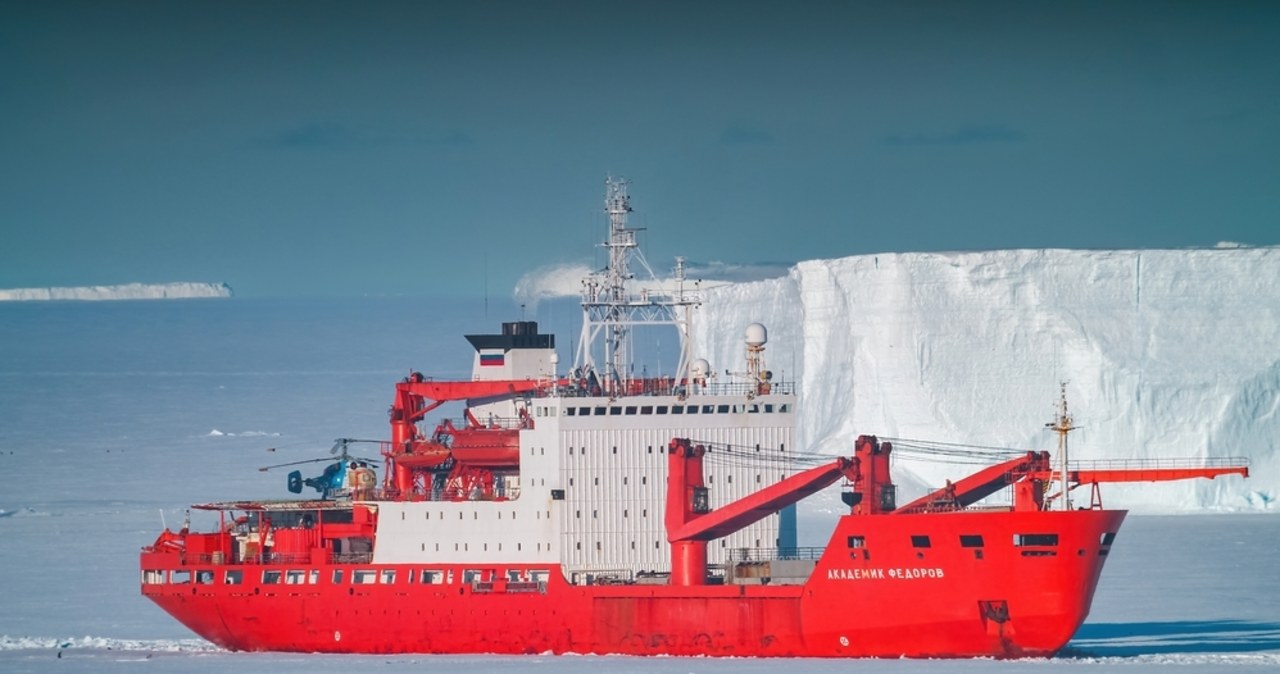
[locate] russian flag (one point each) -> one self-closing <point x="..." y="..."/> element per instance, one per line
<point x="492" y="359"/>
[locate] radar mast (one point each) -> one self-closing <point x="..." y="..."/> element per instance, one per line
<point x="1062" y="426"/>
<point x="612" y="305"/>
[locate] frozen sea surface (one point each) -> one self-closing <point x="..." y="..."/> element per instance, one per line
<point x="116" y="415"/>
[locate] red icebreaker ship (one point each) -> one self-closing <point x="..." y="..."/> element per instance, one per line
<point x="591" y="511"/>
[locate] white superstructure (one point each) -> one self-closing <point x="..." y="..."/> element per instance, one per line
<point x="590" y="489"/>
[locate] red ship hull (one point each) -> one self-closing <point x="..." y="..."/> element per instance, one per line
<point x="971" y="592"/>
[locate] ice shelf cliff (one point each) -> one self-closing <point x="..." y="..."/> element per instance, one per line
<point x="1168" y="353"/>
<point x="128" y="291"/>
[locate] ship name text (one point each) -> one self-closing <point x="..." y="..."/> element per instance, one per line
<point x="882" y="574"/>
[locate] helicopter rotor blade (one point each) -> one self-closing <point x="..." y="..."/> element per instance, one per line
<point x="342" y="444"/>
<point x="291" y="463"/>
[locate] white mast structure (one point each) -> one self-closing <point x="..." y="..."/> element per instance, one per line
<point x="1062" y="426"/>
<point x="610" y="309"/>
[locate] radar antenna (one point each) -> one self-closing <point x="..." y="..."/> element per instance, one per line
<point x="610" y="309"/>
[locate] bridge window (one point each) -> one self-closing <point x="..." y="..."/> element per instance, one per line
<point x="292" y="577"/>
<point x="662" y="409"/>
<point x="970" y="540"/>
<point x="615" y="411"/>
<point x="235" y="577"/>
<point x="599" y="411"/>
<point x="723" y="409"/>
<point x="432" y="577"/>
<point x="364" y="576"/>
<point x="646" y="409"/>
<point x="857" y="541"/>
<point x="693" y="409"/>
<point x="631" y="409"/>
<point x="677" y="409"/>
<point x="337" y="577"/>
<point x="920" y="542"/>
<point x="388" y="576"/>
<point x="1108" y="538"/>
<point x="270" y="577"/>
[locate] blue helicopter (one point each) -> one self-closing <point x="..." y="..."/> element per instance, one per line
<point x="337" y="477"/>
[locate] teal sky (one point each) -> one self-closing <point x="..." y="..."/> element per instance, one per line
<point x="344" y="148"/>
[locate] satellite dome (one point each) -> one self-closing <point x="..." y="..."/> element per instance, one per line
<point x="700" y="368"/>
<point x="757" y="335"/>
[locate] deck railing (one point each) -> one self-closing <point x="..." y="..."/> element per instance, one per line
<point x="1162" y="464"/>
<point x="770" y="554"/>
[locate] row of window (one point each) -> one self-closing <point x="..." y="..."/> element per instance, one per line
<point x="466" y="547"/>
<point x="475" y="514"/>
<point x="657" y="545"/>
<point x="975" y="540"/>
<point x="631" y="410"/>
<point x="338" y="576"/>
<point x="582" y="451"/>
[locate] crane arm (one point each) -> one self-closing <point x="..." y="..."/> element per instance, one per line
<point x="748" y="510"/>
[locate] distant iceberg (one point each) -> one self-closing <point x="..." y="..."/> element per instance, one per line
<point x="128" y="291"/>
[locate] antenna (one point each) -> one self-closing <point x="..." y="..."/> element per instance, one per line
<point x="611" y="309"/>
<point x="1062" y="426"/>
